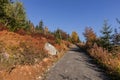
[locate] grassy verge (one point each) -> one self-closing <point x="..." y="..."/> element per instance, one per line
<point x="109" y="62"/>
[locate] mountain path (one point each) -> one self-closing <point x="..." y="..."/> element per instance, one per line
<point x="76" y="65"/>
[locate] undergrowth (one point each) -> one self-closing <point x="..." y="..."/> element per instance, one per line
<point x="110" y="62"/>
<point x="24" y="54"/>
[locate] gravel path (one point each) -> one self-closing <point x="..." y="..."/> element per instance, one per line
<point x="75" y="65"/>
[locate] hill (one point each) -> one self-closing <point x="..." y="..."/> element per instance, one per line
<point x="22" y="57"/>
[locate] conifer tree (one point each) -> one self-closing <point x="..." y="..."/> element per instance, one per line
<point x="116" y="37"/>
<point x="106" y="36"/>
<point x="40" y="26"/>
<point x="13" y="15"/>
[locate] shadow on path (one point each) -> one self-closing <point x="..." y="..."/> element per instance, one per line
<point x="76" y="64"/>
<point x="91" y="63"/>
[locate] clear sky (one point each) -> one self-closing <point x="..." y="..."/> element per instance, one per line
<point x="73" y="15"/>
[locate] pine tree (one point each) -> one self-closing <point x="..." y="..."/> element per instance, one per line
<point x="57" y="34"/>
<point x="17" y="14"/>
<point x="40" y="26"/>
<point x="36" y="28"/>
<point x="13" y="15"/>
<point x="31" y="27"/>
<point x="3" y="4"/>
<point x="116" y="35"/>
<point x="106" y="36"/>
<point x="61" y="34"/>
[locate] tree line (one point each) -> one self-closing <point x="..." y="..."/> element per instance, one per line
<point x="109" y="40"/>
<point x="14" y="18"/>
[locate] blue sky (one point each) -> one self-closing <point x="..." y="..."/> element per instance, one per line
<point x="73" y="15"/>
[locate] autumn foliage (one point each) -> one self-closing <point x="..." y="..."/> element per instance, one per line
<point x="103" y="49"/>
<point x="90" y="36"/>
<point x="75" y="37"/>
<point x="22" y="52"/>
<point x="107" y="60"/>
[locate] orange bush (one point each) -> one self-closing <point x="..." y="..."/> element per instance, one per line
<point x="90" y="37"/>
<point x="16" y="49"/>
<point x="112" y="63"/>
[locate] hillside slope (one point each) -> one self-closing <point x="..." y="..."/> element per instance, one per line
<point x="22" y="57"/>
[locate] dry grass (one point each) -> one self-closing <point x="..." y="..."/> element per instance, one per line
<point x="107" y="60"/>
<point x="27" y="72"/>
<point x="16" y="49"/>
<point x="22" y="57"/>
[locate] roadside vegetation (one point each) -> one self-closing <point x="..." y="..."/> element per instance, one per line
<point x="105" y="49"/>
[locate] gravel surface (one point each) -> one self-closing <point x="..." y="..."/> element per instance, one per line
<point x="76" y="65"/>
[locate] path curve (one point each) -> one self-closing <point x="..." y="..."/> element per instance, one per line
<point x="75" y="65"/>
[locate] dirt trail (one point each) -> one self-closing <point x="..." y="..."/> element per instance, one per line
<point x="76" y="65"/>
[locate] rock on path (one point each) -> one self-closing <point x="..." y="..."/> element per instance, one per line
<point x="75" y="65"/>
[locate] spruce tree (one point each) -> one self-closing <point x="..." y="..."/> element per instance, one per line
<point x="116" y="37"/>
<point x="106" y="36"/>
<point x="40" y="26"/>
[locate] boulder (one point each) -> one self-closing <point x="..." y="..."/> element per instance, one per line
<point x="51" y="49"/>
